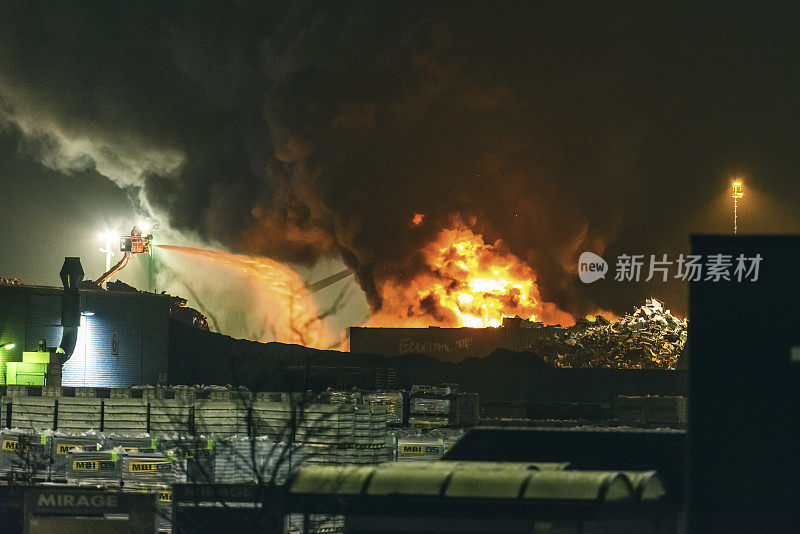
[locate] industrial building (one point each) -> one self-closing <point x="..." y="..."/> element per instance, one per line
<point x="123" y="338"/>
<point x="450" y="344"/>
<point x="744" y="343"/>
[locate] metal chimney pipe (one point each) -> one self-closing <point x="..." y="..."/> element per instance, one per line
<point x="71" y="278"/>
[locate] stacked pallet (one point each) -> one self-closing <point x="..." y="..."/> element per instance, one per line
<point x="33" y="413"/>
<point x="220" y="417"/>
<point x="152" y="469"/>
<point x="357" y="455"/>
<point x="125" y="415"/>
<point x="335" y="433"/>
<point x="362" y="443"/>
<point x="23" y="453"/>
<point x="116" y="467"/>
<point x="345" y="397"/>
<point x="650" y="410"/>
<point x="171" y="415"/>
<point x="416" y="445"/>
<point x="198" y="452"/>
<point x="331" y="433"/>
<point x="391" y="401"/>
<point x="416" y="449"/>
<point x="370" y="425"/>
<point x="64" y="442"/>
<point x="130" y="443"/>
<point x="314" y="524"/>
<point x="426" y="412"/>
<point x="94" y="468"/>
<point x="78" y="414"/>
<point x="258" y="460"/>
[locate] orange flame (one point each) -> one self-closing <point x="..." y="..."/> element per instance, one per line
<point x="287" y="306"/>
<point x="469" y="283"/>
<point x="418" y="218"/>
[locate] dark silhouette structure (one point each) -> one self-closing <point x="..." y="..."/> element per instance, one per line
<point x="744" y="390"/>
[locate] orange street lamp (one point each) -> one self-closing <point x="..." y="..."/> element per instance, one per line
<point x="736" y="195"/>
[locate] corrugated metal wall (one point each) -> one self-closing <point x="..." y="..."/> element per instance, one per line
<point x="155" y="339"/>
<point x="447" y="344"/>
<point x="123" y="339"/>
<point x="42" y="319"/>
<point x="113" y="338"/>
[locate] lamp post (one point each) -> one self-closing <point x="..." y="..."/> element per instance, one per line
<point x="736" y="195"/>
<point x="107" y="236"/>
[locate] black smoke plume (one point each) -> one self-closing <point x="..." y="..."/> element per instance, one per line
<point x="312" y="129"/>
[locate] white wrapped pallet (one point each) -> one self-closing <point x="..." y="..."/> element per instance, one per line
<point x="24" y="453"/>
<point x="428" y="421"/>
<point x="247" y="460"/>
<point x="345" y="397"/>
<point x="64" y="442"/>
<point x="197" y="452"/>
<point x="141" y="442"/>
<point x="102" y="468"/>
<point x="421" y="448"/>
<point x="423" y="405"/>
<point x="391" y="401"/>
<point x="152" y="469"/>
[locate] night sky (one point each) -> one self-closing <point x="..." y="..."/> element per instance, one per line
<point x="311" y="133"/>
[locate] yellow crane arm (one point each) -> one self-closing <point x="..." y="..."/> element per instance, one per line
<point x="114" y="270"/>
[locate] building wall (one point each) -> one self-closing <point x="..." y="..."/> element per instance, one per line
<point x="123" y="339"/>
<point x="448" y="344"/>
<point x="12" y="327"/>
<point x="744" y="390"/>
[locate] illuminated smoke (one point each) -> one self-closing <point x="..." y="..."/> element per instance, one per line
<point x="286" y="306"/>
<point x="301" y="131"/>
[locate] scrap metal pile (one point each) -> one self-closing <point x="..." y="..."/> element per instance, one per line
<point x="650" y="338"/>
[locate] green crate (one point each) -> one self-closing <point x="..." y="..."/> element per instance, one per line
<point x="36" y="357"/>
<point x="24" y="373"/>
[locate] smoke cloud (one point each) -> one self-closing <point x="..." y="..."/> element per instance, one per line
<point x="303" y="131"/>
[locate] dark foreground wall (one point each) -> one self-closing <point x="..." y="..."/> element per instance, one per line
<point x="744" y="410"/>
<point x="198" y="357"/>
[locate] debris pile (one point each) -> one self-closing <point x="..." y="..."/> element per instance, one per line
<point x="650" y="338"/>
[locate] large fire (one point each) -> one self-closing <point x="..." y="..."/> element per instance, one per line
<point x="288" y="307"/>
<point x="468" y="283"/>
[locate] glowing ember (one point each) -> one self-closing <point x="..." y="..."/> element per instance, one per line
<point x="468" y="283"/>
<point x="418" y="218"/>
<point x="288" y="307"/>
